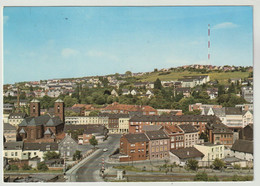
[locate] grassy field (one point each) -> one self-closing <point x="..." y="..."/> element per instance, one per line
<point x="32" y="171"/>
<point x="222" y="77"/>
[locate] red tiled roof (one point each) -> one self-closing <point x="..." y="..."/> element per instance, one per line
<point x="117" y="106"/>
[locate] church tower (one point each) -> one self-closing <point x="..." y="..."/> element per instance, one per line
<point x="59" y="109"/>
<point x="35" y="108"/>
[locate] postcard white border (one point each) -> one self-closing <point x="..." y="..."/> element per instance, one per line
<point x="256" y="31"/>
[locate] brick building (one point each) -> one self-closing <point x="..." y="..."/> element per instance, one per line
<point x="136" y="123"/>
<point x="159" y="144"/>
<point x="134" y="147"/>
<point x="45" y="128"/>
<point x="176" y="136"/>
<point x="218" y="133"/>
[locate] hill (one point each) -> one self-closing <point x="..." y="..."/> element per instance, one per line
<point x="222" y="77"/>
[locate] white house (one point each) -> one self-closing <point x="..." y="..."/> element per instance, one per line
<point x="243" y="149"/>
<point x="181" y="156"/>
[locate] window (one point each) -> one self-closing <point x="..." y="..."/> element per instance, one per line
<point x="16" y="153"/>
<point x="6" y="153"/>
<point x="12" y="153"/>
<point x="132" y="145"/>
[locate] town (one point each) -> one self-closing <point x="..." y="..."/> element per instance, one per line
<point x="189" y="123"/>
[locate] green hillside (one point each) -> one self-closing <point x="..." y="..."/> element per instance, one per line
<point x="222" y="77"/>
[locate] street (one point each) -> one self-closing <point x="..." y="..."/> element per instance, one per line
<point x="89" y="172"/>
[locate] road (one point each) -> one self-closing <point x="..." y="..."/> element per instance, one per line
<point x="89" y="172"/>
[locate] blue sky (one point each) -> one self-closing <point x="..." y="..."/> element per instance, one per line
<point x="56" y="42"/>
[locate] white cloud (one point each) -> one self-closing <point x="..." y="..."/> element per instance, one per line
<point x="68" y="52"/>
<point x="100" y="54"/>
<point x="225" y="25"/>
<point x="6" y="18"/>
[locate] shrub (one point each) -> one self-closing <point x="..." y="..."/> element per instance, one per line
<point x="14" y="167"/>
<point x="201" y="176"/>
<point x="42" y="166"/>
<point x="218" y="164"/>
<point x="237" y="166"/>
<point x="192" y="164"/>
<point x="26" y="167"/>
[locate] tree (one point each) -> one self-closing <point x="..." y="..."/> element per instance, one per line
<point x="192" y="164"/>
<point x="232" y="88"/>
<point x="128" y="73"/>
<point x="77" y="155"/>
<point x="51" y="155"/>
<point x="221" y="90"/>
<point x="201" y="176"/>
<point x="218" y="164"/>
<point x="42" y="166"/>
<point x="204" y="136"/>
<point x="69" y="101"/>
<point x="94" y="113"/>
<point x="93" y="141"/>
<point x="158" y="84"/>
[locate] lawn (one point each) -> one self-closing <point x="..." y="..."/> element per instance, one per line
<point x="32" y="171"/>
<point x="222" y="77"/>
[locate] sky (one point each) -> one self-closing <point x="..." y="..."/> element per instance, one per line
<point x="63" y="42"/>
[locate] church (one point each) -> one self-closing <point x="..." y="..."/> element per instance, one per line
<point x="45" y="128"/>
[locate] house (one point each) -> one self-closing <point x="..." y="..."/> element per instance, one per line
<point x="200" y="106"/>
<point x="13" y="150"/>
<point x="247" y="117"/>
<point x="67" y="147"/>
<point x="16" y="118"/>
<point x="176" y="136"/>
<point x="159" y="144"/>
<point x="235" y="80"/>
<point x="247" y="133"/>
<point x="114" y="93"/>
<point x="211" y="152"/>
<point x="125" y="92"/>
<point x="212" y="92"/>
<point x="32" y="149"/>
<point x="234" y="117"/>
<point x="134" y="92"/>
<point x="181" y="156"/>
<point x="100" y="132"/>
<point x="149" y="93"/>
<point x="188" y="83"/>
<point x="245" y="107"/>
<point x="218" y="133"/>
<point x="243" y="149"/>
<point x="191" y="135"/>
<point x="185" y="91"/>
<point x="9" y="132"/>
<point x="247" y="93"/>
<point x="134" y="147"/>
<point x="42" y="128"/>
<point x="126" y="109"/>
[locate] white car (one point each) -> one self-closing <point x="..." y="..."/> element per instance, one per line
<point x="104" y="150"/>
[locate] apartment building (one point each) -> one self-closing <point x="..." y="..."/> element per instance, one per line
<point x="159" y="144"/>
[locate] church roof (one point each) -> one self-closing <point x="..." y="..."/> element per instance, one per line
<point x="22" y="131"/>
<point x="41" y="120"/>
<point x="48" y="131"/>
